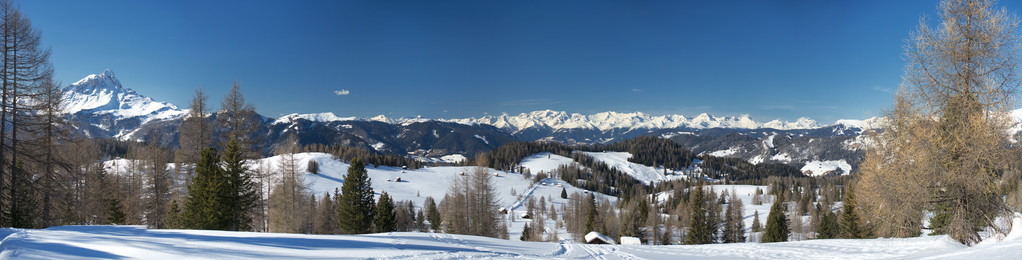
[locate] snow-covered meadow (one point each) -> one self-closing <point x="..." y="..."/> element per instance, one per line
<point x="109" y="242"/>
<point x="76" y="242"/>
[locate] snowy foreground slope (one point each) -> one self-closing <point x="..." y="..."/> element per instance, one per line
<point x="75" y="242"/>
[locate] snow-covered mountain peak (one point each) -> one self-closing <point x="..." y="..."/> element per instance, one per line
<point x="103" y="96"/>
<point x="381" y="118"/>
<point x="105" y="80"/>
<point x="316" y="117"/>
<point x="604" y="121"/>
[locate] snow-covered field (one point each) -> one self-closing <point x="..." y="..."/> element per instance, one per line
<point x="818" y="168"/>
<point x="78" y="242"/>
<point x="643" y="173"/>
<point x="75" y="242"/>
<point x="544" y="162"/>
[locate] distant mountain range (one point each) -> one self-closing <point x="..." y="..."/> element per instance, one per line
<point x="103" y="108"/>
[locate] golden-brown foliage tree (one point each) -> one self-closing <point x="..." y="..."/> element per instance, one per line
<point x="944" y="142"/>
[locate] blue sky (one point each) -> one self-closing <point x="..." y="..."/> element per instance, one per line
<point x="827" y="60"/>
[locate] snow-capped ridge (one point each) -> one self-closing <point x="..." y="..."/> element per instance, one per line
<point x="101" y="101"/>
<point x="603" y="121"/>
<point x="104" y="94"/>
<point x="316" y="117"/>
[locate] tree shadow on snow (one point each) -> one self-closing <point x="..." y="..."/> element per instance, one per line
<point x="58" y="250"/>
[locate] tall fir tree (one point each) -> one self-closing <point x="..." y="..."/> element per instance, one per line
<point x="356" y="201"/>
<point x="734" y="224"/>
<point x="240" y="193"/>
<point x="850" y="226"/>
<point x="777" y="224"/>
<point x="828" y="226"/>
<point x="756" y="226"/>
<point x="592" y="214"/>
<point x="432" y="214"/>
<point x="205" y="206"/>
<point x="385" y="215"/>
<point x="526" y="233"/>
<point x="699" y="231"/>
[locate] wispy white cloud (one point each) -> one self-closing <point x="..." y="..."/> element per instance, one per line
<point x="883" y="89"/>
<point x="343" y="92"/>
<point x="636" y="90"/>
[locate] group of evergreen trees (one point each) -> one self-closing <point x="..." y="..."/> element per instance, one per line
<point x="221" y="196"/>
<point x="349" y="153"/>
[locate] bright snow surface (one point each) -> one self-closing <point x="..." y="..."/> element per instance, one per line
<point x="77" y="242"/>
<point x="544" y="162"/>
<point x="818" y="168"/>
<point x="642" y="173"/>
<point x="136" y="242"/>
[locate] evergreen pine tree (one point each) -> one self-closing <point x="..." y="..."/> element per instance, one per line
<point x="699" y="231"/>
<point x="564" y="193"/>
<point x="312" y="167"/>
<point x="326" y="217"/>
<point x="116" y="211"/>
<point x="734" y="224"/>
<point x="420" y="222"/>
<point x="665" y="238"/>
<point x="941" y="216"/>
<point x="593" y="214"/>
<point x="828" y="226"/>
<point x="240" y="194"/>
<point x="713" y="217"/>
<point x="205" y="206"/>
<point x="385" y="215"/>
<point x="850" y="227"/>
<point x="526" y="233"/>
<point x="756" y="226"/>
<point x="777" y="224"/>
<point x="174" y="215"/>
<point x="432" y="214"/>
<point x="356" y="201"/>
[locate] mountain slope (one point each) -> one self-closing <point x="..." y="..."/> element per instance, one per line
<point x="104" y="108"/>
<point x="605" y="121"/>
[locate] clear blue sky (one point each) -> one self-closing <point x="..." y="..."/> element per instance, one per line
<point x="826" y="60"/>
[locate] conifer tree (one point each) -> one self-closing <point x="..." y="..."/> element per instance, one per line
<point x="385" y="216"/>
<point x="205" y="206"/>
<point x="526" y="233"/>
<point x="777" y="224"/>
<point x="699" y="230"/>
<point x="850" y="226"/>
<point x="756" y="226"/>
<point x="432" y="214"/>
<point x="194" y="133"/>
<point x="116" y="211"/>
<point x="592" y="214"/>
<point x="665" y="238"/>
<point x="713" y="216"/>
<point x="944" y="143"/>
<point x="174" y="215"/>
<point x="240" y="193"/>
<point x="734" y="225"/>
<point x="564" y="193"/>
<point x="325" y="221"/>
<point x="356" y="201"/>
<point x="828" y="226"/>
<point x="420" y="222"/>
